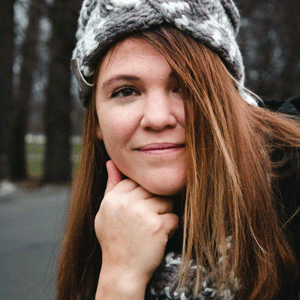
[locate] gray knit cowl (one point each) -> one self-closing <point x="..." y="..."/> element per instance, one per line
<point x="162" y="286"/>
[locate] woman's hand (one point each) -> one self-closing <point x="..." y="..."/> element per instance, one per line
<point x="133" y="227"/>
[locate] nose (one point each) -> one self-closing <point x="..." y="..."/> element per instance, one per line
<point x="158" y="112"/>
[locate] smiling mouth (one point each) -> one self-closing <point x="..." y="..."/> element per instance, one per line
<point x="160" y="148"/>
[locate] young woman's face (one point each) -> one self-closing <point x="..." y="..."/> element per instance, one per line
<point x="141" y="117"/>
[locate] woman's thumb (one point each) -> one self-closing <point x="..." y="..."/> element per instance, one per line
<point x="114" y="175"/>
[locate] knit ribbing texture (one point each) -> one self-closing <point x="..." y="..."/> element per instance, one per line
<point x="214" y="23"/>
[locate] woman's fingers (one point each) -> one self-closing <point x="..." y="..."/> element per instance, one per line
<point x="160" y="205"/>
<point x="171" y="222"/>
<point x="133" y="227"/>
<point x="114" y="176"/>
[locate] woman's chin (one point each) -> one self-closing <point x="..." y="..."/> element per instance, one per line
<point x="164" y="189"/>
<point x="163" y="179"/>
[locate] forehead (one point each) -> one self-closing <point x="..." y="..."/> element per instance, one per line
<point x="131" y="54"/>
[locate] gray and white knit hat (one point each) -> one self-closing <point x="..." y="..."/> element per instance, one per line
<point x="214" y="23"/>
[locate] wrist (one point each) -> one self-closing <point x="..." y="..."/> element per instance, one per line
<point x="118" y="284"/>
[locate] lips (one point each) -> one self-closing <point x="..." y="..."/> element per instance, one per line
<point x="160" y="148"/>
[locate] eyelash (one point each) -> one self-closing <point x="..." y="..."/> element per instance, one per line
<point x="118" y="93"/>
<point x="177" y="89"/>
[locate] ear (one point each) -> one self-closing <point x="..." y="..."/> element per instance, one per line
<point x="99" y="132"/>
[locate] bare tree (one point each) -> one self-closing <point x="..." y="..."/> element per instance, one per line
<point x="64" y="15"/>
<point x="6" y="79"/>
<point x="289" y="83"/>
<point x="270" y="41"/>
<point x="19" y="115"/>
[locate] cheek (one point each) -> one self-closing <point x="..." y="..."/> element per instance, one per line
<point x="182" y="116"/>
<point x="118" y="123"/>
<point x="179" y="111"/>
<point x="116" y="132"/>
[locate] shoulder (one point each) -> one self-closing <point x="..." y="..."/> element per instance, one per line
<point x="288" y="173"/>
<point x="287" y="181"/>
<point x="290" y="106"/>
<point x="287" y="195"/>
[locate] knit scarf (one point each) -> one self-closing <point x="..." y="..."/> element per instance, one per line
<point x="161" y="285"/>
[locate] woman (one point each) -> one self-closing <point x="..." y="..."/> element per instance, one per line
<point x="185" y="190"/>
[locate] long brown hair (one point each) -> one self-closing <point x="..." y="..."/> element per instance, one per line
<point x="229" y="189"/>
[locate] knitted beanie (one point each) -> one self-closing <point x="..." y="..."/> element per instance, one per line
<point x="214" y="23"/>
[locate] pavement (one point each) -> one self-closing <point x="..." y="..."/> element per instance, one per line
<point x="32" y="224"/>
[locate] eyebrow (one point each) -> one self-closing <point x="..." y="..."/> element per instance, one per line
<point x="112" y="80"/>
<point x="131" y="78"/>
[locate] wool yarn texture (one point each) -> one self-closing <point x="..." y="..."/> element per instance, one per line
<point x="163" y="286"/>
<point x="215" y="23"/>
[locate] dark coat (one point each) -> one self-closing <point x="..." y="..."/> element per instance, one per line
<point x="287" y="190"/>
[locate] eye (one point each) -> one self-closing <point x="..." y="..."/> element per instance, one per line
<point x="124" y="92"/>
<point x="177" y="89"/>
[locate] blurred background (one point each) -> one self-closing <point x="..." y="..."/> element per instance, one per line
<point x="41" y="121"/>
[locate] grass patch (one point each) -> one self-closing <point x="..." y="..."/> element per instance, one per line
<point x="35" y="152"/>
<point x="76" y="152"/>
<point x="35" y="156"/>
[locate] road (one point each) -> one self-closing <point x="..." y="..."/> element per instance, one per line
<point x="31" y="230"/>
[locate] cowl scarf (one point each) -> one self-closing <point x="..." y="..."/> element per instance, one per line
<point x="162" y="287"/>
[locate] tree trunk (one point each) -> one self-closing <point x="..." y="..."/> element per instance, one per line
<point x="64" y="15"/>
<point x="19" y="115"/>
<point x="290" y="34"/>
<point x="6" y="79"/>
<point x="272" y="37"/>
